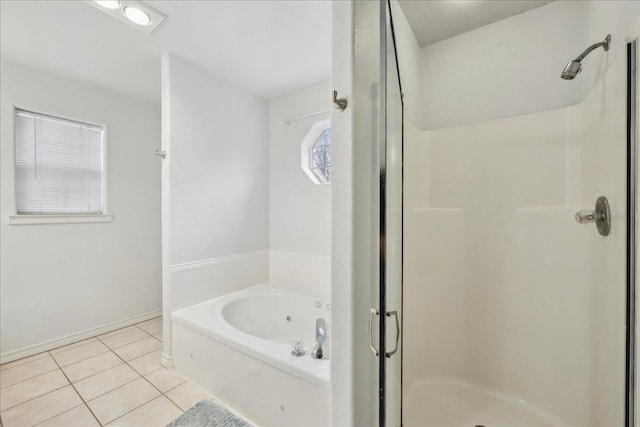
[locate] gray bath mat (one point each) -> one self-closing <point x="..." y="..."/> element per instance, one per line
<point x="208" y="414"/>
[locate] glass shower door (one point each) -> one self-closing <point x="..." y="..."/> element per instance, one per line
<point x="512" y="310"/>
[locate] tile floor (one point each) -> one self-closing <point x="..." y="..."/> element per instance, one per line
<point x="114" y="379"/>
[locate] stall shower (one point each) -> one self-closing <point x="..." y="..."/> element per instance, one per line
<point x="508" y="199"/>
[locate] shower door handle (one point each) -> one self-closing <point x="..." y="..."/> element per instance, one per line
<point x="372" y="313"/>
<point x="394" y="313"/>
<point x="601" y="216"/>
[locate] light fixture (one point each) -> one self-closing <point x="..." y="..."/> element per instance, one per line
<point x="136" y="15"/>
<point x="109" y="4"/>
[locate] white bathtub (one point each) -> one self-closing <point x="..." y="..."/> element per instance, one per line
<point x="238" y="347"/>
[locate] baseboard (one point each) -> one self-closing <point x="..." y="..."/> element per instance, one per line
<point x="69" y="339"/>
<point x="167" y="361"/>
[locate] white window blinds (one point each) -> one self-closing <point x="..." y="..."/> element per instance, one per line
<point x="59" y="167"/>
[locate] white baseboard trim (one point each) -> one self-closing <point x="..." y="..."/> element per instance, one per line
<point x="214" y="261"/>
<point x="69" y="339"/>
<point x="167" y="361"/>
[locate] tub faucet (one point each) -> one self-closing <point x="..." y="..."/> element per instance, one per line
<point x="321" y="336"/>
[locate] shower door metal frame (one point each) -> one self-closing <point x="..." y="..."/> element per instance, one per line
<point x="382" y="212"/>
<point x="632" y="177"/>
<point x="385" y="6"/>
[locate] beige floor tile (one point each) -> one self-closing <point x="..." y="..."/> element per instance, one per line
<point x="41" y="408"/>
<point x="76" y="354"/>
<point x="27" y="370"/>
<point x="165" y="379"/>
<point x="187" y="394"/>
<point x="91" y="366"/>
<point x="159" y="337"/>
<point x="23" y="361"/>
<point x="152" y="327"/>
<point x="147" y="363"/>
<point x="80" y="416"/>
<point x="99" y="384"/>
<point x="123" y="337"/>
<point x="73" y="345"/>
<point x="159" y="412"/>
<point x="26" y="390"/>
<point x="137" y="349"/>
<point x="118" y="402"/>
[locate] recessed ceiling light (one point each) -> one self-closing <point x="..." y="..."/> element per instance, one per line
<point x="135" y="13"/>
<point x="137" y="16"/>
<point x="109" y="4"/>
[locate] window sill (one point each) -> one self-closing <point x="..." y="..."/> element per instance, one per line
<point x="57" y="219"/>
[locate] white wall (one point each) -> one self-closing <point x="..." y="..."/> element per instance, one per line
<point x="217" y="208"/>
<point x="60" y="280"/>
<point x="354" y="75"/>
<point x="299" y="210"/>
<point x="219" y="167"/>
<point x="513" y="66"/>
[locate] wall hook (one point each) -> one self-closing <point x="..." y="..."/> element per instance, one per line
<point x="162" y="154"/>
<point x="341" y="103"/>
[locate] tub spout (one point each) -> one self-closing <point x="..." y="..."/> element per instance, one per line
<point x="321" y="337"/>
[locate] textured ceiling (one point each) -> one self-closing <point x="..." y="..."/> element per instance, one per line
<point x="264" y="47"/>
<point x="436" y="20"/>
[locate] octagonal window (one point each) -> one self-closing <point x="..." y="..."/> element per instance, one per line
<point x="316" y="153"/>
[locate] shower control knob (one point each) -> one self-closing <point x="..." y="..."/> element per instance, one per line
<point x="601" y="216"/>
<point x="587" y="216"/>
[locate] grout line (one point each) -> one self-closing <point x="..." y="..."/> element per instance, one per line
<point x="171" y="400"/>
<point x="129" y="343"/>
<point x="78" y="361"/>
<point x="141" y="376"/>
<point x="112" y="333"/>
<point x="63" y="412"/>
<point x="44" y="394"/>
<point x="138" y="357"/>
<point x="109" y="391"/>
<point x="2" y="368"/>
<point x="91" y="340"/>
<point x="30" y="378"/>
<point x="79" y="395"/>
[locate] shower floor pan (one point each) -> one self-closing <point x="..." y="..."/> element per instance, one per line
<point x="449" y="403"/>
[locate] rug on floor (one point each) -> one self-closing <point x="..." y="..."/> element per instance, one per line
<point x="208" y="414"/>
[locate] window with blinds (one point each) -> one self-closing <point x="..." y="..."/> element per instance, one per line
<point x="59" y="165"/>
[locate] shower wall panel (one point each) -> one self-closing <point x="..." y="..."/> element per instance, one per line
<point x="503" y="290"/>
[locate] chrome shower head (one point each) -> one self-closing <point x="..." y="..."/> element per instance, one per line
<point x="571" y="70"/>
<point x="574" y="67"/>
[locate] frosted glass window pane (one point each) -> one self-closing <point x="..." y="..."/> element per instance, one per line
<point x="59" y="165"/>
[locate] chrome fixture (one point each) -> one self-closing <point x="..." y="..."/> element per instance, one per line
<point x="574" y="67"/>
<point x="321" y="336"/>
<point x="297" y="349"/>
<point x="341" y="103"/>
<point x="601" y="216"/>
<point x="372" y="313"/>
<point x="394" y="314"/>
<point x="162" y="153"/>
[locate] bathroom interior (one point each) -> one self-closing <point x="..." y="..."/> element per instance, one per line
<point x="314" y="213"/>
